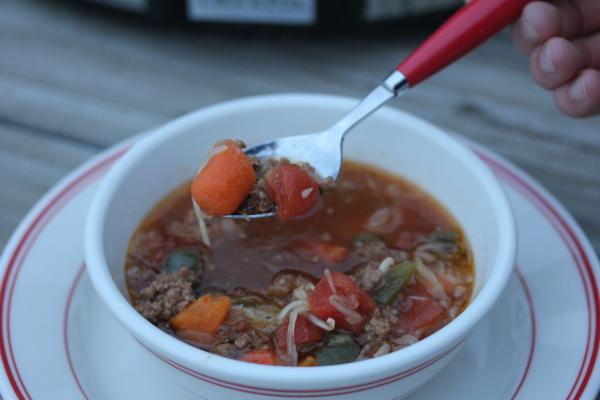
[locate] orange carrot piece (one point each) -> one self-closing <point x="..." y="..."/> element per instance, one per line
<point x="308" y="361"/>
<point x="225" y="180"/>
<point x="204" y="315"/>
<point x="265" y="357"/>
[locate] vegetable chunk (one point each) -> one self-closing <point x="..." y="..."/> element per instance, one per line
<point x="204" y="315"/>
<point x="225" y="180"/>
<point x="394" y="280"/>
<point x="345" y="302"/>
<point x="265" y="357"/>
<point x="292" y="189"/>
<point x="304" y="332"/>
<point x="421" y="311"/>
<point x="339" y="349"/>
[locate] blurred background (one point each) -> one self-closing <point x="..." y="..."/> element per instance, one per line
<point x="78" y="76"/>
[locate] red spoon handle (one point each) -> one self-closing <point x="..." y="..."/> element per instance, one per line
<point x="468" y="28"/>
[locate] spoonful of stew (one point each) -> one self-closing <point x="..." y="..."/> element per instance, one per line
<point x="286" y="176"/>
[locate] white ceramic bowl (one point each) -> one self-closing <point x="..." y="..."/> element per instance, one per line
<point x="390" y="139"/>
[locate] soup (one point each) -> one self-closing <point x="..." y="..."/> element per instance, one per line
<point x="376" y="266"/>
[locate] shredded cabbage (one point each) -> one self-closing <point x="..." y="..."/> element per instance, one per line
<point x="429" y="279"/>
<point x="297" y="305"/>
<point x="291" y="340"/>
<point x="351" y="316"/>
<point x="201" y="223"/>
<point x="329" y="278"/>
<point x="386" y="264"/>
<point x="328" y="325"/>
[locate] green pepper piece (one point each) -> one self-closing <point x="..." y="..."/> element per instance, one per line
<point x="181" y="258"/>
<point x="338" y="339"/>
<point x="394" y="281"/>
<point x="339" y="348"/>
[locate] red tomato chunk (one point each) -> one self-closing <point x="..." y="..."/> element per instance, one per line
<point x="304" y="332"/>
<point x="349" y="295"/>
<point x="292" y="189"/>
<point x="420" y="311"/>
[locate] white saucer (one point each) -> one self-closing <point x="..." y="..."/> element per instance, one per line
<point x="58" y="341"/>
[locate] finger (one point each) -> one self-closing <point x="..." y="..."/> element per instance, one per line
<point x="580" y="98"/>
<point x="589" y="47"/>
<point x="578" y="17"/>
<point x="557" y="62"/>
<point x="568" y="18"/>
<point x="539" y="22"/>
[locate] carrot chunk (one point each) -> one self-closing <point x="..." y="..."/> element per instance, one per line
<point x="265" y="357"/>
<point x="308" y="361"/>
<point x="204" y="315"/>
<point x="225" y="180"/>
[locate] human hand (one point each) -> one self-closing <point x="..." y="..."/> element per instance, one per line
<point x="563" y="41"/>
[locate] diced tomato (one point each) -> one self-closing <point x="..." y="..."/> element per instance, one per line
<point x="265" y="357"/>
<point x="292" y="189"/>
<point x="346" y="289"/>
<point x="420" y="311"/>
<point x="304" y="332"/>
<point x="367" y="304"/>
<point x="328" y="253"/>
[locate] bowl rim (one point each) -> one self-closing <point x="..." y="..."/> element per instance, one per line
<point x="200" y="360"/>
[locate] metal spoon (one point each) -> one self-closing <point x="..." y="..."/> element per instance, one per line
<point x="464" y="31"/>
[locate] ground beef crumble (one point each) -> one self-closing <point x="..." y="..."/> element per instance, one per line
<point x="367" y="275"/>
<point x="285" y="282"/>
<point x="373" y="250"/>
<point x="376" y="331"/>
<point x="167" y="295"/>
<point x="379" y="326"/>
<point x="226" y="350"/>
<point x="235" y="345"/>
<point x="258" y="200"/>
<point x="252" y="339"/>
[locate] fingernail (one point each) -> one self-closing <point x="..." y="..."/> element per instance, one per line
<point x="528" y="30"/>
<point x="578" y="91"/>
<point x="546" y="62"/>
